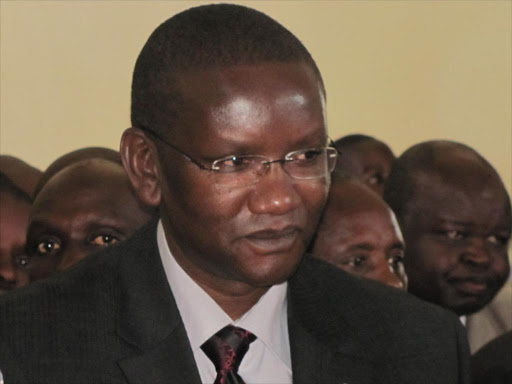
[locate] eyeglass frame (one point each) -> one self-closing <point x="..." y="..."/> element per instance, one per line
<point x="205" y="168"/>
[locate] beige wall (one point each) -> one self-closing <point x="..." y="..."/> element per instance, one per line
<point x="404" y="71"/>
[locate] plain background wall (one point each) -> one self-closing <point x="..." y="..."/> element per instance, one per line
<point x="403" y="71"/>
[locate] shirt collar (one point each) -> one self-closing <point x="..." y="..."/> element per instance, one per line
<point x="203" y="317"/>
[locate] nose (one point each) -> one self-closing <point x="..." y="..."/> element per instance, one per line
<point x="274" y="193"/>
<point x="389" y="277"/>
<point x="476" y="253"/>
<point x="72" y="256"/>
<point x="7" y="275"/>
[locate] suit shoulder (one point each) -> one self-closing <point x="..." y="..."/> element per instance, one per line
<point x="367" y="307"/>
<point x="72" y="292"/>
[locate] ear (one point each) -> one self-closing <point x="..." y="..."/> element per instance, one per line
<point x="140" y="162"/>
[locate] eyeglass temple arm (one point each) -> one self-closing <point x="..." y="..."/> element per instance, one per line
<point x="151" y="132"/>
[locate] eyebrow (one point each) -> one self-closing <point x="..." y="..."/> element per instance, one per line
<point x="447" y="221"/>
<point x="397" y="245"/>
<point x="243" y="148"/>
<point x="362" y="247"/>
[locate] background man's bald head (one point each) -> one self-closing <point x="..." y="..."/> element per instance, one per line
<point x="455" y="215"/>
<point x="365" y="158"/>
<point x="75" y="157"/>
<point x="449" y="162"/>
<point x="85" y="174"/>
<point x="350" y="195"/>
<point x="21" y="173"/>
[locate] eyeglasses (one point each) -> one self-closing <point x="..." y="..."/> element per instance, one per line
<point x="237" y="171"/>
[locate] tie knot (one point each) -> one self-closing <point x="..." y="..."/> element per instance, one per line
<point x="227" y="348"/>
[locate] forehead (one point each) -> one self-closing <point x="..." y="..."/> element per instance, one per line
<point x="13" y="221"/>
<point x="11" y="203"/>
<point x="84" y="186"/>
<point x="468" y="199"/>
<point x="251" y="105"/>
<point x="353" y="207"/>
<point x="13" y="212"/>
<point x="375" y="227"/>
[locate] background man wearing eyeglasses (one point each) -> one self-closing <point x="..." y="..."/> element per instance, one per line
<point x="229" y="139"/>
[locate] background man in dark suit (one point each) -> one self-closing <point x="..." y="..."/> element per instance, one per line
<point x="229" y="140"/>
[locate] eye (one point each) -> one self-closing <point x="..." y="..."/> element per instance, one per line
<point x="498" y="240"/>
<point x="356" y="261"/>
<point x="455" y="235"/>
<point x="104" y="240"/>
<point x="396" y="265"/>
<point x="376" y="179"/>
<point x="234" y="163"/>
<point x="22" y="261"/>
<point x="306" y="155"/>
<point x="47" y="246"/>
<point x="396" y="262"/>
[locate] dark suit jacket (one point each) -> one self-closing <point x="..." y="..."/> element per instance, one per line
<point x="493" y="363"/>
<point x="113" y="319"/>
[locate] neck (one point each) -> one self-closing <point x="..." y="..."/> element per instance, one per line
<point x="235" y="297"/>
<point x="235" y="304"/>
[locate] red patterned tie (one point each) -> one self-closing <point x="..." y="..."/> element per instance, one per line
<point x="226" y="349"/>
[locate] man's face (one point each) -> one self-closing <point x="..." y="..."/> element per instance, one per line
<point x="80" y="210"/>
<point x="252" y="235"/>
<point x="457" y="238"/>
<point x="363" y="239"/>
<point x="13" y="229"/>
<point x="370" y="162"/>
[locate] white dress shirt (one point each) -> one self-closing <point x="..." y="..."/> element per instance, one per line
<point x="268" y="360"/>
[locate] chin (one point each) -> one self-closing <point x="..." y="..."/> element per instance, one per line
<point x="467" y="306"/>
<point x="272" y="273"/>
<point x="467" y="309"/>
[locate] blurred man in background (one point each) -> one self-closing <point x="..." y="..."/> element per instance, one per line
<point x="365" y="158"/>
<point x="359" y="234"/>
<point x="84" y="202"/>
<point x="14" y="212"/>
<point x="455" y="216"/>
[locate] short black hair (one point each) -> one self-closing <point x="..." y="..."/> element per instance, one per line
<point x="8" y="186"/>
<point x="402" y="183"/>
<point x="209" y="36"/>
<point x="75" y="157"/>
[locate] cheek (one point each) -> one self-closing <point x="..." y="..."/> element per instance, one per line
<point x="205" y="208"/>
<point x="430" y="257"/>
<point x="501" y="265"/>
<point x="22" y="277"/>
<point x="313" y="195"/>
<point x="42" y="267"/>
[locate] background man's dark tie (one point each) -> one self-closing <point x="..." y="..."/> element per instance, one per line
<point x="226" y="350"/>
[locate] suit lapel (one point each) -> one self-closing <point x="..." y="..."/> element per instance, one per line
<point x="149" y="319"/>
<point x="171" y="360"/>
<point x="323" y="348"/>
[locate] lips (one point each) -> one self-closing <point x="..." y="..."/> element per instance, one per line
<point x="472" y="286"/>
<point x="271" y="241"/>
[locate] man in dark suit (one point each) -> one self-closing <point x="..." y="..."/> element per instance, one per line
<point x="229" y="140"/>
